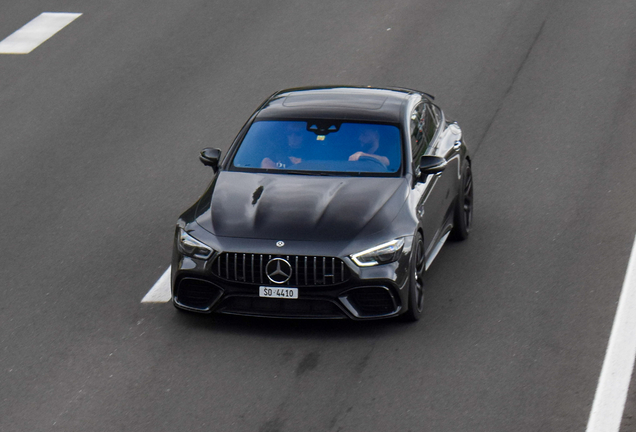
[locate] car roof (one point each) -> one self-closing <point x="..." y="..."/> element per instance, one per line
<point x="341" y="103"/>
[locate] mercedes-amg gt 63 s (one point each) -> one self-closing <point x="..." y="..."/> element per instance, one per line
<point x="332" y="202"/>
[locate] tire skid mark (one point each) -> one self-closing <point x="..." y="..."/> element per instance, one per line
<point x="515" y="76"/>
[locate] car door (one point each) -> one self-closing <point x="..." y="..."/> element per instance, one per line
<point x="438" y="192"/>
<point x="446" y="147"/>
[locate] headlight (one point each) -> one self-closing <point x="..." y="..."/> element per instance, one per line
<point x="192" y="247"/>
<point x="382" y="254"/>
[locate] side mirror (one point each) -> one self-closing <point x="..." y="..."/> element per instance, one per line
<point x="210" y="157"/>
<point x="431" y="165"/>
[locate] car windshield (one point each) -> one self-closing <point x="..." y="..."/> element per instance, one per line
<point x="320" y="146"/>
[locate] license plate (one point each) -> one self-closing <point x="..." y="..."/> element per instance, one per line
<point x="275" y="292"/>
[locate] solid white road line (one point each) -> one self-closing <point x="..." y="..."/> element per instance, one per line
<point x="611" y="393"/>
<point x="160" y="292"/>
<point x="36" y="31"/>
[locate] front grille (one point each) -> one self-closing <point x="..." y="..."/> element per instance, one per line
<point x="306" y="270"/>
<point x="372" y="301"/>
<point x="281" y="307"/>
<point x="197" y="294"/>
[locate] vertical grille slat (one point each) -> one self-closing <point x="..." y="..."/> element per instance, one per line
<point x="342" y="272"/>
<point x="333" y="270"/>
<point x="252" y="280"/>
<point x="324" y="271"/>
<point x="306" y="270"/>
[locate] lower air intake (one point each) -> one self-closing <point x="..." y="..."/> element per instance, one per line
<point x="197" y="294"/>
<point x="372" y="301"/>
<point x="298" y="308"/>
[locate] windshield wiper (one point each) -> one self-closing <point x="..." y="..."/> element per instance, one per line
<point x="311" y="173"/>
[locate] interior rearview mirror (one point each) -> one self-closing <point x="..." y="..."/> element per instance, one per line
<point x="210" y="157"/>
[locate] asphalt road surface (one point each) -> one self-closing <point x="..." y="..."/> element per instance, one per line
<point x="100" y="128"/>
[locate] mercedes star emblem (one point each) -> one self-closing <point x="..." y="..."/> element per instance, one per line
<point x="278" y="270"/>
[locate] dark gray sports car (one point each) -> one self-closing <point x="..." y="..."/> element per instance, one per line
<point x="331" y="203"/>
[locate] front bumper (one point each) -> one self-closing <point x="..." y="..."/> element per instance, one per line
<point x="365" y="293"/>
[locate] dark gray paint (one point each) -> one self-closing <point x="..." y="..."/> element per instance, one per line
<point x="101" y="128"/>
<point x="295" y="207"/>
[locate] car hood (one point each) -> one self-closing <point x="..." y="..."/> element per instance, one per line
<point x="299" y="207"/>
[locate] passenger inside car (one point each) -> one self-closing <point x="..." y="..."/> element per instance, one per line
<point x="285" y="156"/>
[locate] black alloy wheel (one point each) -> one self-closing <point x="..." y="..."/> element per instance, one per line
<point x="416" y="282"/>
<point x="464" y="207"/>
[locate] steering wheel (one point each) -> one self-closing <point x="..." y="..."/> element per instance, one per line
<point x="371" y="159"/>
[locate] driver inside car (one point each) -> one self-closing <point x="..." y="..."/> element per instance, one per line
<point x="369" y="144"/>
<point x="291" y="152"/>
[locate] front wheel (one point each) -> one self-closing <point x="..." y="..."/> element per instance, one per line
<point x="463" y="218"/>
<point x="416" y="281"/>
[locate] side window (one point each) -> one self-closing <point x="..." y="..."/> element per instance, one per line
<point x="437" y="115"/>
<point x="430" y="124"/>
<point x="417" y="132"/>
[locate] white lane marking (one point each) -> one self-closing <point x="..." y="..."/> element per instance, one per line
<point x="160" y="291"/>
<point x="611" y="392"/>
<point x="36" y="31"/>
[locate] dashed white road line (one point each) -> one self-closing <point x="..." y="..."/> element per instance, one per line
<point x="36" y="31"/>
<point x="613" y="384"/>
<point x="160" y="291"/>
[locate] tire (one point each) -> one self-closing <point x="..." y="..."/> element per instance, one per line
<point x="416" y="281"/>
<point x="463" y="214"/>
